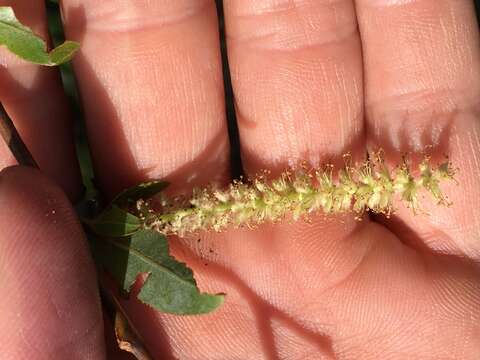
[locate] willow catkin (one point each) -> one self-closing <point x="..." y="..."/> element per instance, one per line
<point x="369" y="186"/>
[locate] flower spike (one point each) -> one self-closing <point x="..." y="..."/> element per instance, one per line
<point x="370" y="186"/>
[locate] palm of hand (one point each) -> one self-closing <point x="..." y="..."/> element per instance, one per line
<point x="405" y="287"/>
<point x="337" y="286"/>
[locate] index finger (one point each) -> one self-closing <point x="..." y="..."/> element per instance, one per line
<point x="49" y="303"/>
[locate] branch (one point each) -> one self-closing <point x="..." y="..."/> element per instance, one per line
<point x="127" y="336"/>
<point x="13" y="140"/>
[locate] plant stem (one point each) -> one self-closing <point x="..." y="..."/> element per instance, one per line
<point x="127" y="336"/>
<point x="13" y="140"/>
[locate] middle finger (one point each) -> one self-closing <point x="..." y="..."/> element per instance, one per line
<point x="297" y="77"/>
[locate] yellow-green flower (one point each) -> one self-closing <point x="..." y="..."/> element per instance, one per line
<point x="369" y="186"/>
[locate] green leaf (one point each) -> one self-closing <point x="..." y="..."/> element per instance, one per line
<point x="144" y="191"/>
<point x="169" y="287"/>
<point x="21" y="41"/>
<point x="64" y="52"/>
<point x="114" y="222"/>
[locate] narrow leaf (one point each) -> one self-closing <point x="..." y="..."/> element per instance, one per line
<point x="144" y="191"/>
<point x="114" y="222"/>
<point x="21" y="41"/>
<point x="169" y="287"/>
<point x="63" y="52"/>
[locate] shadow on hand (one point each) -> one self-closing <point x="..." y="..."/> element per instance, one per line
<point x="48" y="134"/>
<point x="262" y="311"/>
<point x="414" y="136"/>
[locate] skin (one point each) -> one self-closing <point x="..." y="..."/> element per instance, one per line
<point x="313" y="80"/>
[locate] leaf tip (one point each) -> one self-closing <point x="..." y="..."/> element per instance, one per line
<point x="63" y="53"/>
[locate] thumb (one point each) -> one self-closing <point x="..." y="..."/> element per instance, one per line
<point x="49" y="304"/>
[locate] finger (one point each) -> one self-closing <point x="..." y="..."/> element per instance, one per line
<point x="49" y="304"/>
<point x="151" y="82"/>
<point x="34" y="98"/>
<point x="422" y="66"/>
<point x="297" y="78"/>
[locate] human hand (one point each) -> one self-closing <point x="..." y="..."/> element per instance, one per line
<point x="309" y="85"/>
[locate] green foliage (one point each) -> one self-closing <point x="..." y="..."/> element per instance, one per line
<point x="124" y="250"/>
<point x="21" y="41"/>
<point x="114" y="222"/>
<point x="144" y="191"/>
<point x="169" y="287"/>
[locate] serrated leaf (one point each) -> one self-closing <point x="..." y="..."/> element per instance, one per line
<point x="170" y="286"/>
<point x="21" y="41"/>
<point x="141" y="191"/>
<point x="114" y="222"/>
